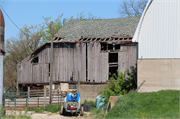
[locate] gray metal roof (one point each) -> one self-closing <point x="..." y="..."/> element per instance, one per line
<point x="97" y="28"/>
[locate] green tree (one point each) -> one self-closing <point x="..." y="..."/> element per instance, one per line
<point x="58" y="24"/>
<point x="18" y="48"/>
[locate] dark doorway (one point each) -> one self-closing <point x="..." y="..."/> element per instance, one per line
<point x="112" y="70"/>
<point x="113" y="64"/>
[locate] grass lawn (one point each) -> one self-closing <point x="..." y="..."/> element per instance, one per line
<point x="161" y="104"/>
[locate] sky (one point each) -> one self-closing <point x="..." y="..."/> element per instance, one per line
<point x="31" y="12"/>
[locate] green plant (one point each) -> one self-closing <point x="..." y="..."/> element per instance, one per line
<point x="120" y="84"/>
<point x="99" y="113"/>
<point x="89" y="102"/>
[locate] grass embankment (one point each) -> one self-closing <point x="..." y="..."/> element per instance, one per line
<point x="161" y="104"/>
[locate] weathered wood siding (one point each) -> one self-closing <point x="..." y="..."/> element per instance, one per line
<point x="71" y="58"/>
<point x="97" y="63"/>
<point x="126" y="57"/>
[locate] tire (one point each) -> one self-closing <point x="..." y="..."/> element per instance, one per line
<point x="62" y="110"/>
<point x="82" y="111"/>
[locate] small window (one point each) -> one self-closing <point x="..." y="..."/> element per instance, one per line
<point x="72" y="86"/>
<point x="113" y="57"/>
<point x="117" y="47"/>
<point x="35" y="60"/>
<point x="110" y="46"/>
<point x="103" y="46"/>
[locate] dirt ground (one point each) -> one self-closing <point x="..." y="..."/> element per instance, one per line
<point x="47" y="115"/>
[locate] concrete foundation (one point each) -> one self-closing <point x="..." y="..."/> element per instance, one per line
<point x="90" y="92"/>
<point x="159" y="74"/>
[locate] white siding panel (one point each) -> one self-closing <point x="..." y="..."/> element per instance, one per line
<point x="159" y="35"/>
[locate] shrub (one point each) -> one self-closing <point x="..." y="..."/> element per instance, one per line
<point x="89" y="102"/>
<point x="121" y="84"/>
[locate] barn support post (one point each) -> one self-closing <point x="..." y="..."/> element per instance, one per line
<point x="51" y="72"/>
<point x="78" y="83"/>
<point x="28" y="92"/>
<point x="44" y="96"/>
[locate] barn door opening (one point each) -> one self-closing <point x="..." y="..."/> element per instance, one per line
<point x="113" y="64"/>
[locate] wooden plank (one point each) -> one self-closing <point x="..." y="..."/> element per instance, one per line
<point x="46" y="72"/>
<point x="71" y="60"/>
<point x="83" y="62"/>
<point x="64" y="60"/>
<point x="61" y="64"/>
<point x="75" y="63"/>
<point x="90" y="63"/>
<point x="35" y="73"/>
<point x="97" y="57"/>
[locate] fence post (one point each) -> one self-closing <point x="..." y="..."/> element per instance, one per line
<point x="44" y="96"/>
<point x="26" y="102"/>
<point x="28" y="92"/>
<point x="15" y="102"/>
<point x="38" y="100"/>
<point x="58" y="95"/>
<point x="61" y="98"/>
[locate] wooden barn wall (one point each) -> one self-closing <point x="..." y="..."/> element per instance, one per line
<point x="126" y="57"/>
<point x="71" y="58"/>
<point x="79" y="62"/>
<point x="98" y="67"/>
<point x="63" y="62"/>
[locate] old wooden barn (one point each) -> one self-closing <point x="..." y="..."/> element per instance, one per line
<point x="94" y="47"/>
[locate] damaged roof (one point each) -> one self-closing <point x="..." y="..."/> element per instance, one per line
<point x="75" y="29"/>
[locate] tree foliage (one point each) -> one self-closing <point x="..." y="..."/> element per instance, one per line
<point x="18" y="48"/>
<point x="58" y="24"/>
<point x="132" y="8"/>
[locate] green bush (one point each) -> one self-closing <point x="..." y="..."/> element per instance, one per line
<point x="89" y="102"/>
<point x="121" y="84"/>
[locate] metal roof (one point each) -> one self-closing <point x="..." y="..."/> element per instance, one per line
<point x="76" y="29"/>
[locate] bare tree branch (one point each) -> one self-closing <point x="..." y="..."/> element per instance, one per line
<point x="132" y="8"/>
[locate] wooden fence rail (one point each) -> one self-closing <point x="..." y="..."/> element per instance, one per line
<point x="33" y="98"/>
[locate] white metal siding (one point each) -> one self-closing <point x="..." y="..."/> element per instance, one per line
<point x="159" y="34"/>
<point x="1" y="79"/>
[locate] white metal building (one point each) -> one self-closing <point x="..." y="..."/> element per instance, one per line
<point x="158" y="37"/>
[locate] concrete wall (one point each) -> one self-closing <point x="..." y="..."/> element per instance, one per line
<point x="90" y="92"/>
<point x="159" y="74"/>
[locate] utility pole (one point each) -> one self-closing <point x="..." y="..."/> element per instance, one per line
<point x="51" y="66"/>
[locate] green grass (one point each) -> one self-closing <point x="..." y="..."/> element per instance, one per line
<point x="161" y="104"/>
<point x="99" y="113"/>
<point x="48" y="108"/>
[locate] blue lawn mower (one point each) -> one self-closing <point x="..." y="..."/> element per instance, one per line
<point x="72" y="104"/>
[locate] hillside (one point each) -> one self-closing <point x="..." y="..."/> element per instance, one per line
<point x="161" y="104"/>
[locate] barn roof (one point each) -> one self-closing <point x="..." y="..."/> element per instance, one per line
<point x="91" y="29"/>
<point x="75" y="29"/>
